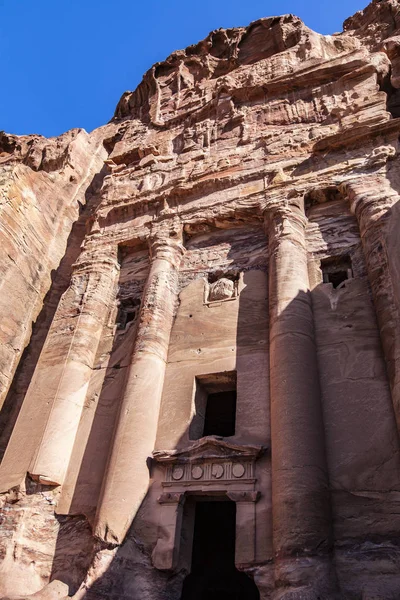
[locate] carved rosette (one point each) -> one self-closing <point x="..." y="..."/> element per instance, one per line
<point x="210" y="470"/>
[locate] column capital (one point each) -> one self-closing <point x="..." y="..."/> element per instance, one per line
<point x="247" y="497"/>
<point x="171" y="498"/>
<point x="166" y="248"/>
<point x="284" y="222"/>
<point x="277" y="213"/>
<point x="356" y="192"/>
<point x="104" y="261"/>
<point x="370" y="198"/>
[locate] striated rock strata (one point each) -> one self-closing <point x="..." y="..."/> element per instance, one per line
<point x="200" y="329"/>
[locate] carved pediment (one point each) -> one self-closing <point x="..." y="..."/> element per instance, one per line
<point x="209" y="448"/>
<point x="210" y="460"/>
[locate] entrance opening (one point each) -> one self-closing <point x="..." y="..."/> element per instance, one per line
<point x="215" y="405"/>
<point x="213" y="573"/>
<point x="336" y="270"/>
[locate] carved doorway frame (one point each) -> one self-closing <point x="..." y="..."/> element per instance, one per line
<point x="213" y="468"/>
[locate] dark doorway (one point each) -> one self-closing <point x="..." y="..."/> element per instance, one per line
<point x="213" y="573"/>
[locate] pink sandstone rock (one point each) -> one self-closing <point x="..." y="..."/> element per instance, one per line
<point x="200" y="330"/>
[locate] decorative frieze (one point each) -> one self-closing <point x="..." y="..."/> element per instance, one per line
<point x="209" y="461"/>
<point x="210" y="471"/>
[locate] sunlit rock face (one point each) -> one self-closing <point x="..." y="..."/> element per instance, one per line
<point x="200" y="331"/>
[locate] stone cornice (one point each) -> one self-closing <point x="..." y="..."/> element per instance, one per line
<point x="210" y="447"/>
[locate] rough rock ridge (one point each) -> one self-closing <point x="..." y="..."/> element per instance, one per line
<point x="200" y="330"/>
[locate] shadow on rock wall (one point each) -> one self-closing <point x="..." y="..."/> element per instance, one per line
<point x="60" y="280"/>
<point x="127" y="571"/>
<point x="367" y="556"/>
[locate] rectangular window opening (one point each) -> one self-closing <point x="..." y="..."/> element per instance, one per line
<point x="336" y="270"/>
<point x="215" y="406"/>
<point x="220" y="414"/>
<point x="127" y="312"/>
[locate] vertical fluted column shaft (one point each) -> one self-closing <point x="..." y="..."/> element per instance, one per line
<point x="371" y="200"/>
<point x="67" y="360"/>
<point x="127" y="477"/>
<point x="301" y="506"/>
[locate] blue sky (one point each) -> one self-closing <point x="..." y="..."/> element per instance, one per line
<point x="65" y="63"/>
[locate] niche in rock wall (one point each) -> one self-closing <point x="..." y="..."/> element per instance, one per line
<point x="215" y="405"/>
<point x="333" y="239"/>
<point x="127" y="312"/>
<point x="135" y="265"/>
<point x="336" y="270"/>
<point x="222" y="287"/>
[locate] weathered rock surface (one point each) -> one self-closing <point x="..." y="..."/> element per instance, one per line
<point x="55" y="589"/>
<point x="200" y="301"/>
<point x="44" y="185"/>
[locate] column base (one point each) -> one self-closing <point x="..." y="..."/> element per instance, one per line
<point x="305" y="578"/>
<point x="302" y="593"/>
<point x="44" y="480"/>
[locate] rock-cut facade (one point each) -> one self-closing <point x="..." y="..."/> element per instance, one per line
<point x="200" y="329"/>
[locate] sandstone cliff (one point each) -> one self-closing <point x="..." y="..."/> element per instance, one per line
<point x="234" y="227"/>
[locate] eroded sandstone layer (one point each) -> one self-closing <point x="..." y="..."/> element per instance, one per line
<point x="200" y="329"/>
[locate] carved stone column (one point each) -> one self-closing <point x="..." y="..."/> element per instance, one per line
<point x="127" y="476"/>
<point x="300" y="496"/>
<point x="67" y="360"/>
<point x="372" y="201"/>
<point x="245" y="544"/>
<point x="166" y="552"/>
